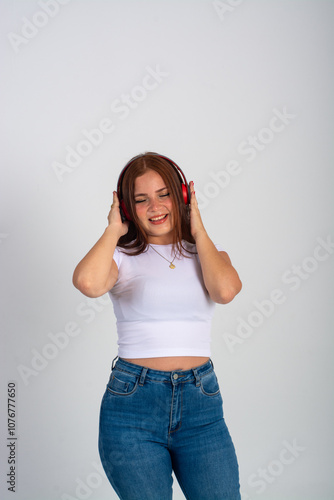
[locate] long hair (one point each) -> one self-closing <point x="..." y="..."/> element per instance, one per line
<point x="136" y="238"/>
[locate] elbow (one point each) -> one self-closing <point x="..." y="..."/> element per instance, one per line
<point x="86" y="287"/>
<point x="227" y="294"/>
<point x="82" y="285"/>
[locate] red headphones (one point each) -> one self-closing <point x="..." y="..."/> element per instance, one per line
<point x="184" y="184"/>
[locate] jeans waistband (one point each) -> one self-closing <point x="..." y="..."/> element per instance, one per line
<point x="174" y="376"/>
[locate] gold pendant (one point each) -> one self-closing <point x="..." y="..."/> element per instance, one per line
<point x="171" y="265"/>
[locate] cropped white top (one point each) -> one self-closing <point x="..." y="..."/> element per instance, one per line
<point x="161" y="311"/>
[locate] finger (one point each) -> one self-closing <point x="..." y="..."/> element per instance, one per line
<point x="193" y="199"/>
<point x="115" y="199"/>
<point x="192" y="190"/>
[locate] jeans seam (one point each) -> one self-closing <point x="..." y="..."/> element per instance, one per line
<point x="179" y="425"/>
<point x="125" y="371"/>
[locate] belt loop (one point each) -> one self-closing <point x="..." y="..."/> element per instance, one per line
<point x="142" y="376"/>
<point x="212" y="363"/>
<point x="113" y="363"/>
<point x="198" y="380"/>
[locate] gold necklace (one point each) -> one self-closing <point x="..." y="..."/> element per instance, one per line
<point x="171" y="265"/>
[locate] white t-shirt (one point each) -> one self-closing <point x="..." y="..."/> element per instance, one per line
<point x="161" y="311"/>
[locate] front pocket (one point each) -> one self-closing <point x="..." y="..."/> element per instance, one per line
<point x="209" y="384"/>
<point x="122" y="383"/>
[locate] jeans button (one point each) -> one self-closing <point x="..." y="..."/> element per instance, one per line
<point x="175" y="376"/>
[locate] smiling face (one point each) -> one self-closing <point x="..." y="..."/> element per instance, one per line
<point x="154" y="208"/>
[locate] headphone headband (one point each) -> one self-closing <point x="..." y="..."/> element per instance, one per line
<point x="184" y="184"/>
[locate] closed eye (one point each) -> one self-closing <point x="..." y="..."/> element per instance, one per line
<point x="145" y="199"/>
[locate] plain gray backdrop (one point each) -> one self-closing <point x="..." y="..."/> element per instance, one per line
<point x="240" y="95"/>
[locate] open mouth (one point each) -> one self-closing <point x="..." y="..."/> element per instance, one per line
<point x="159" y="219"/>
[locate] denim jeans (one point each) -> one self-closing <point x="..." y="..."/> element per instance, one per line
<point x="154" y="422"/>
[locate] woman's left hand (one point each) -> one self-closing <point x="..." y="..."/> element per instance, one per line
<point x="196" y="223"/>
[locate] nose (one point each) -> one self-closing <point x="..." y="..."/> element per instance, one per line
<point x="154" y="204"/>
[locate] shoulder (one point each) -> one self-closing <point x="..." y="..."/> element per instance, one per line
<point x="120" y="254"/>
<point x="191" y="247"/>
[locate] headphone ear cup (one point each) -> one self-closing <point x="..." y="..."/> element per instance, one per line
<point x="186" y="194"/>
<point x="124" y="213"/>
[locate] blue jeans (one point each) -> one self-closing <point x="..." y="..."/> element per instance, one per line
<point x="154" y="422"/>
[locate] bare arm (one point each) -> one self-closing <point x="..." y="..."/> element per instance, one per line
<point x="97" y="272"/>
<point x="220" y="278"/>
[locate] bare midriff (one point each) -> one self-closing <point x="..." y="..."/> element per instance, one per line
<point x="170" y="364"/>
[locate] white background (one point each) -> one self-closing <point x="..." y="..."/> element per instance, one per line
<point x="225" y="72"/>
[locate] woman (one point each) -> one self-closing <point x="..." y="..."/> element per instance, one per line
<point x="162" y="408"/>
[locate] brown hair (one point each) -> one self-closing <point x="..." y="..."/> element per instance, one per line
<point x="136" y="237"/>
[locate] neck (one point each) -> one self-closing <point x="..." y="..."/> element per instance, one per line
<point x="160" y="241"/>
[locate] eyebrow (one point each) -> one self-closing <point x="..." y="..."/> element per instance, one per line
<point x="145" y="194"/>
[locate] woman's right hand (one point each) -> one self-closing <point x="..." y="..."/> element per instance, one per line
<point x="114" y="217"/>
